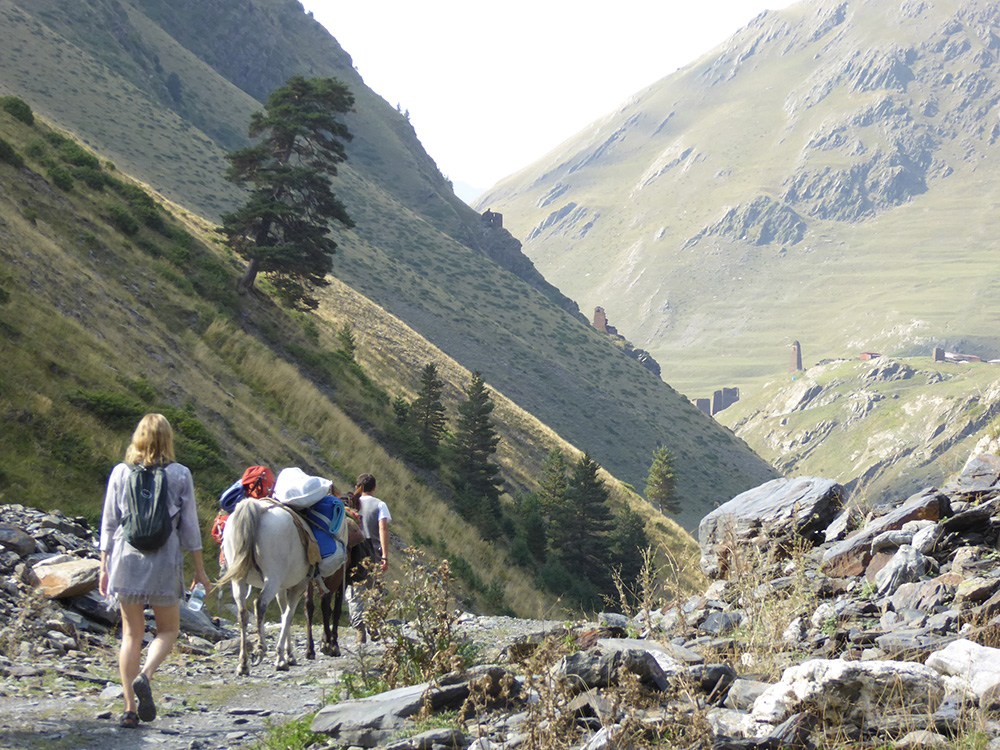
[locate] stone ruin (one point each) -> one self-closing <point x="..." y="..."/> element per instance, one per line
<point x="641" y="356"/>
<point x="601" y="322"/>
<point x="795" y="365"/>
<point x="940" y="355"/>
<point x="492" y="219"/>
<point x="721" y="399"/>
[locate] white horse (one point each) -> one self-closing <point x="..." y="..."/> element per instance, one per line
<point x="263" y="549"/>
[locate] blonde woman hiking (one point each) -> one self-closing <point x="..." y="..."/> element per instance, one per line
<point x="149" y="517"/>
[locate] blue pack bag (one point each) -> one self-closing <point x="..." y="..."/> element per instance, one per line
<point x="326" y="517"/>
<point x="229" y="499"/>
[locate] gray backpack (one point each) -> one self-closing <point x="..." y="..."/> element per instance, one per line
<point x="146" y="524"/>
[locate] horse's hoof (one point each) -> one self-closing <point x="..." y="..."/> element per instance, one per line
<point x="335" y="651"/>
<point x="311" y="655"/>
<point x="281" y="667"/>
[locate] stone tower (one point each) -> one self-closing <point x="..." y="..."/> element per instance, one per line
<point x="795" y="365"/>
<point x="600" y="319"/>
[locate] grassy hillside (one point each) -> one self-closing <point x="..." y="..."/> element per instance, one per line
<point x="828" y="175"/>
<point x="114" y="306"/>
<point x="417" y="251"/>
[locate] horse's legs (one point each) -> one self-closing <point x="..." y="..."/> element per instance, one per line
<point x="330" y="647"/>
<point x="239" y="595"/>
<point x="310" y="610"/>
<point x="259" y="609"/>
<point x="335" y="591"/>
<point x="288" y="599"/>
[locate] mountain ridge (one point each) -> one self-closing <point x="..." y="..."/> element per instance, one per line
<point x="830" y="144"/>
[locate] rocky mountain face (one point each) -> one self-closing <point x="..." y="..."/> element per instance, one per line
<point x="832" y="150"/>
<point x="881" y="427"/>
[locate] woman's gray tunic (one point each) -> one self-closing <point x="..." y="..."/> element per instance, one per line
<point x="154" y="577"/>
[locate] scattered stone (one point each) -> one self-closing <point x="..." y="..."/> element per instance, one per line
<point x="65" y="576"/>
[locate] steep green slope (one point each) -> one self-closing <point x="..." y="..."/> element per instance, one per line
<point x="112" y="307"/>
<point x="417" y="250"/>
<point x="828" y="175"/>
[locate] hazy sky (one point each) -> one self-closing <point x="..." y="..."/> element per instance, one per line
<point x="492" y="87"/>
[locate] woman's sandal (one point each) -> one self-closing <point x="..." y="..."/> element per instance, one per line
<point x="129" y="720"/>
<point x="144" y="695"/>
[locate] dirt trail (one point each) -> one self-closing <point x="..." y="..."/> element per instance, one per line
<point x="201" y="704"/>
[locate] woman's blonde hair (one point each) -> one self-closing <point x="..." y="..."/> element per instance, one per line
<point x="152" y="442"/>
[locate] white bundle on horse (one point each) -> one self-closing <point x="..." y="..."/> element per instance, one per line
<point x="296" y="489"/>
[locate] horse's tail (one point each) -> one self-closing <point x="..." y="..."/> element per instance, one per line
<point x="241" y="535"/>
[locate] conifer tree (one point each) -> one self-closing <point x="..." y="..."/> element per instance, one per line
<point x="552" y="484"/>
<point x="475" y="475"/>
<point x="585" y="522"/>
<point x="427" y="411"/>
<point x="282" y="229"/>
<point x="661" y="483"/>
<point x="348" y="344"/>
<point x="552" y="497"/>
<point x="401" y="407"/>
<point x="531" y="533"/>
<point x="628" y="540"/>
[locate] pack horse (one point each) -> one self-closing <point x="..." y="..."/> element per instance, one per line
<point x="265" y="548"/>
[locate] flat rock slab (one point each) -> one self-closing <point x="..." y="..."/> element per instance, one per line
<point x="851" y="691"/>
<point x="851" y="556"/>
<point x="375" y="721"/>
<point x="804" y="506"/>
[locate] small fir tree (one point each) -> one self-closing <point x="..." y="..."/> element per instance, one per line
<point x="348" y="344"/>
<point x="552" y="497"/>
<point x="661" y="483"/>
<point x="585" y="522"/>
<point x="427" y="411"/>
<point x="628" y="540"/>
<point x="401" y="407"/>
<point x="476" y="477"/>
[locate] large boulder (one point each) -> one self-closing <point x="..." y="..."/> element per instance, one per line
<point x="980" y="476"/>
<point x="968" y="665"/>
<point x="851" y="692"/>
<point x="376" y="720"/>
<point x="851" y="556"/>
<point x="16" y="540"/>
<point x="65" y="576"/>
<point x="778" y="509"/>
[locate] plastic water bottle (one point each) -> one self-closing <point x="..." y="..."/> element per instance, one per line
<point x="196" y="600"/>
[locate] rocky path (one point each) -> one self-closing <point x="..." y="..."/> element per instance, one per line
<point x="58" y="703"/>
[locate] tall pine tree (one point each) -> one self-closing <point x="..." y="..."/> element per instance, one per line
<point x="585" y="522"/>
<point x="283" y="228"/>
<point x="475" y="476"/>
<point x="628" y="542"/>
<point x="552" y="497"/>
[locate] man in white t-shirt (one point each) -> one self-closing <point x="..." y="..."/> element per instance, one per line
<point x="375" y="519"/>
